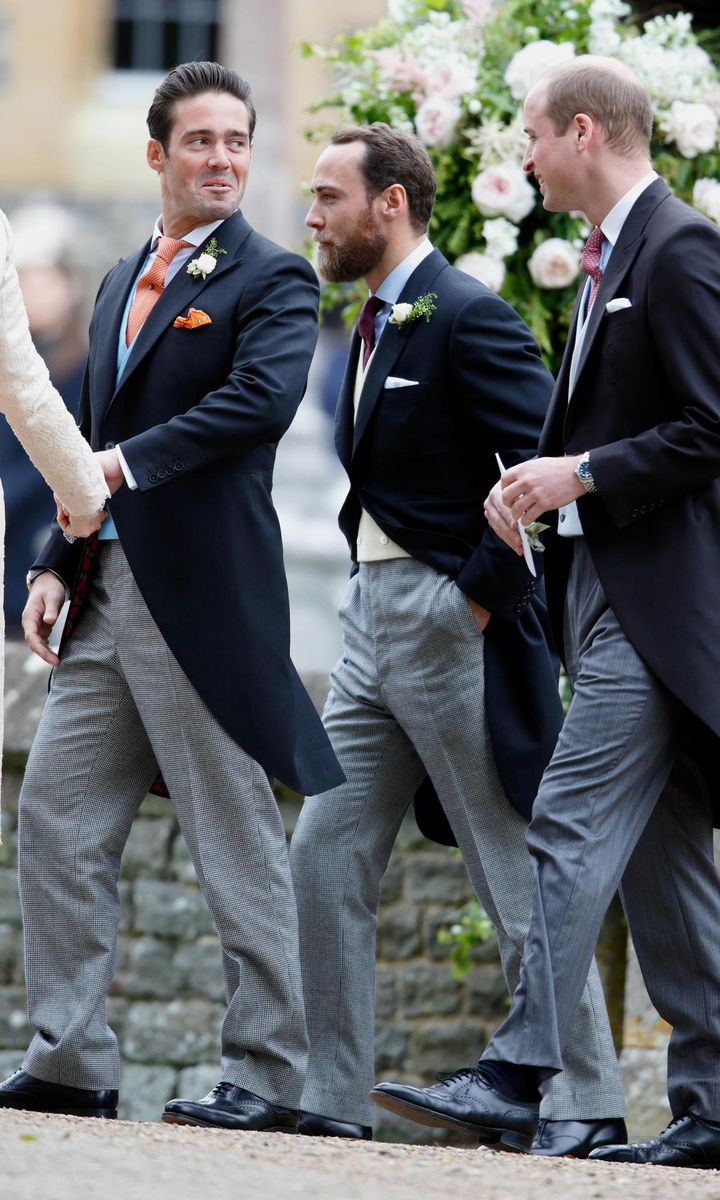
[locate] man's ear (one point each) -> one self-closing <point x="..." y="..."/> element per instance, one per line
<point x="394" y="201"/>
<point x="155" y="156"/>
<point x="583" y="129"/>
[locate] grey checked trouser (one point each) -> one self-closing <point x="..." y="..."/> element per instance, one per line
<point x="609" y="813"/>
<point x="119" y="707"/>
<point x="407" y="699"/>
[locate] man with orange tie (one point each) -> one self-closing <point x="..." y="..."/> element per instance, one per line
<point x="199" y="350"/>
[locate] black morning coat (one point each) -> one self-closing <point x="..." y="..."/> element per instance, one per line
<point x="199" y="413"/>
<point x="421" y="461"/>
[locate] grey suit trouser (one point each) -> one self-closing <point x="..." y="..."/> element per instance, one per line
<point x="119" y="707"/>
<point x="608" y="813"/>
<point x="407" y="699"/>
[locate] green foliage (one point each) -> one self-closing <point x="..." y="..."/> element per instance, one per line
<point x="472" y="927"/>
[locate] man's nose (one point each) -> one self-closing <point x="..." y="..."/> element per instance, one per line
<point x="218" y="155"/>
<point x="313" y="219"/>
<point x="527" y="163"/>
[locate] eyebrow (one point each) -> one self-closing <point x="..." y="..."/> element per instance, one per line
<point x="235" y="133"/>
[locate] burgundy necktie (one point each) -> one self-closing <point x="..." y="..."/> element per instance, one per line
<point x="366" y="325"/>
<point x="590" y="262"/>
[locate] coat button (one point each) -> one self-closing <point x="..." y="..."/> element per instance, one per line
<point x="153" y="477"/>
<point x="383" y="540"/>
<point x="109" y="445"/>
<point x="179" y="466"/>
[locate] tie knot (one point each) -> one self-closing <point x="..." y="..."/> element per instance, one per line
<point x="366" y="325"/>
<point x="168" y="247"/>
<point x="590" y="261"/>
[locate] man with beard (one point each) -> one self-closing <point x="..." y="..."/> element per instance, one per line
<point x="445" y="671"/>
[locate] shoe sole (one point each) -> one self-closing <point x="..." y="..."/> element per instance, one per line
<point x="107" y="1114"/>
<point x="174" y="1119"/>
<point x="425" y="1116"/>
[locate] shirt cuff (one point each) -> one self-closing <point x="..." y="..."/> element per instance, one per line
<point x="35" y="571"/>
<point x="129" y="477"/>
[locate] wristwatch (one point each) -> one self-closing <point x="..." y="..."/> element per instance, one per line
<point x="584" y="473"/>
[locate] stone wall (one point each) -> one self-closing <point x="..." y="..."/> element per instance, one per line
<point x="166" y="1002"/>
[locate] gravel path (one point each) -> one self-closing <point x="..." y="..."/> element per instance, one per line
<point x="68" y="1158"/>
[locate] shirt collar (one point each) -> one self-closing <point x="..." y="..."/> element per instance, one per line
<point x="619" y="213"/>
<point x="392" y="285"/>
<point x="195" y="236"/>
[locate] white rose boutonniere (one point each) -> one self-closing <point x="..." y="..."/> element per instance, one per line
<point x="404" y="314"/>
<point x="205" y="263"/>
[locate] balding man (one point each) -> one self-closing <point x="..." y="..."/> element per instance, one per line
<point x="629" y="459"/>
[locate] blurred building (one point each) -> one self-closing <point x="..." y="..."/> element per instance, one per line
<point x="76" y="80"/>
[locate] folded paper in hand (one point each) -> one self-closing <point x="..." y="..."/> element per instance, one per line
<point x="527" y="550"/>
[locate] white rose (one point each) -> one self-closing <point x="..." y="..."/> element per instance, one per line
<point x="694" y="127"/>
<point x="436" y="120"/>
<point x="489" y="271"/>
<point x="400" y="313"/>
<point x="501" y="237"/>
<point x="452" y="78"/>
<point x="503" y="191"/>
<point x="526" y="67"/>
<point x="706" y="197"/>
<point x="206" y="263"/>
<point x="555" y="263"/>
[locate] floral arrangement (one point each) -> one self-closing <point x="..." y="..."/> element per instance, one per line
<point x="456" y="72"/>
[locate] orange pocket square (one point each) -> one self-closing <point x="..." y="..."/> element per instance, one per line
<point x="195" y="318"/>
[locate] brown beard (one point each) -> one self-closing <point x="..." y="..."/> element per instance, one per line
<point x="360" y="252"/>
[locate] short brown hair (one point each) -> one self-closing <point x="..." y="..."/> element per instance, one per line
<point x="609" y="93"/>
<point x="394" y="157"/>
<point x="192" y="79"/>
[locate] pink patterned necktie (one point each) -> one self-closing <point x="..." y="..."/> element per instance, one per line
<point x="366" y="325"/>
<point x="590" y="262"/>
<point x="151" y="285"/>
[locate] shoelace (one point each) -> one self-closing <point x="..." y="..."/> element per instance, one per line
<point x="461" y="1073"/>
<point x="221" y="1089"/>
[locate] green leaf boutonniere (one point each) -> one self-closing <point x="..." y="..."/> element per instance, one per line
<point x="533" y="531"/>
<point x="205" y="263"/>
<point x="403" y="314"/>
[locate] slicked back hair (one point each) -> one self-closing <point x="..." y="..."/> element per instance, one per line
<point x="193" y="79"/>
<point x="615" y="99"/>
<point x="394" y="157"/>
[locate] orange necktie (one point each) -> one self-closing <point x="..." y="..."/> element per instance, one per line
<point x="150" y="286"/>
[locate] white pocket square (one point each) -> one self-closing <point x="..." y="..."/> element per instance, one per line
<point x="618" y="303"/>
<point x="394" y="381"/>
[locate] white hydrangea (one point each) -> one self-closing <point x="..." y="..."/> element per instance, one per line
<point x="526" y="67"/>
<point x="603" y="37"/>
<point x="668" y="61"/>
<point x="503" y="191"/>
<point x="555" y="263"/>
<point x="501" y="237"/>
<point x="494" y="141"/>
<point x="402" y="10"/>
<point x="693" y="127"/>
<point x="487" y="270"/>
<point x="706" y="197"/>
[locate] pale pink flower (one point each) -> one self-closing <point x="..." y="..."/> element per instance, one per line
<point x="436" y="121"/>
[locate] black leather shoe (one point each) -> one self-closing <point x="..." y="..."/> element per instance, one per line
<point x="463" y="1099"/>
<point x="231" y="1107"/>
<point x="688" y="1141"/>
<point x="314" y="1125"/>
<point x="575" y="1139"/>
<point x="21" y="1090"/>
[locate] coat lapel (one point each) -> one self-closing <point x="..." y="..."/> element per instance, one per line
<point x="344" y="411"/>
<point x="626" y="250"/>
<point x="392" y="343"/>
<point x="109" y="312"/>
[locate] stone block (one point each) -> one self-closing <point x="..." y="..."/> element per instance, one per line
<point x="146" y="968"/>
<point x="181" y="1033"/>
<point x="117" y="1015"/>
<point x="198" y="968"/>
<point x="392" y="884"/>
<point x="195" y="1082"/>
<point x="429" y="991"/>
<point x="391" y="1047"/>
<point x="147" y="851"/>
<point x="10" y="1060"/>
<point x="386" y="993"/>
<point x="181" y="867"/>
<point x="410" y="838"/>
<point x="170" y="909"/>
<point x="156" y="806"/>
<point x="9" y="899"/>
<point x="8" y="849"/>
<point x="127" y="911"/>
<point x="145" y="1091"/>
<point x="445" y="1046"/>
<point x="437" y="878"/>
<point x="487" y="991"/>
<point x="644" y="1027"/>
<point x="644" y="1076"/>
<point x="10" y="952"/>
<point x="14" y="1028"/>
<point x="399" y="933"/>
